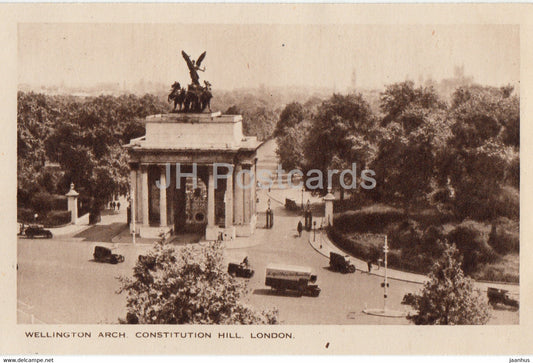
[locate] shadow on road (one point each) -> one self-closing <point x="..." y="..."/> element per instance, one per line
<point x="272" y="292"/>
<point x="102" y="233"/>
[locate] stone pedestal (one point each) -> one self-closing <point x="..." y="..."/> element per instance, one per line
<point x="72" y="203"/>
<point x="328" y="199"/>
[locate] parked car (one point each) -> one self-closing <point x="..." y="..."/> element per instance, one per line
<point x="104" y="254"/>
<point x="295" y="278"/>
<point x="338" y="262"/>
<point x="500" y="296"/>
<point x="240" y="269"/>
<point x="37" y="230"/>
<point x="291" y="204"/>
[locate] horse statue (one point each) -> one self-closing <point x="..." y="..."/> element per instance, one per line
<point x="192" y="99"/>
<point x="205" y="96"/>
<point x="177" y="95"/>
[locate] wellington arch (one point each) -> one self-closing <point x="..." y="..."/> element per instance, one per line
<point x="162" y="162"/>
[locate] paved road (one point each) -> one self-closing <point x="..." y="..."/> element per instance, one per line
<point x="59" y="283"/>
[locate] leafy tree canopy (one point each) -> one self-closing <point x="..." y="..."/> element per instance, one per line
<point x="187" y="286"/>
<point x="449" y="298"/>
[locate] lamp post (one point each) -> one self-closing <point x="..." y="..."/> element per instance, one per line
<point x="303" y="188"/>
<point x="314" y="231"/>
<point x="385" y="283"/>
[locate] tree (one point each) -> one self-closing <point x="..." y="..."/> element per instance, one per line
<point x="189" y="286"/>
<point x="398" y="96"/>
<point x="482" y="155"/>
<point x="339" y="135"/>
<point x="85" y="136"/>
<point x="414" y="131"/>
<point x="292" y="114"/>
<point x="449" y="298"/>
<point x="290" y="149"/>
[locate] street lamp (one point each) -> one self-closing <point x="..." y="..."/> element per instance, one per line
<point x="385" y="284"/>
<point x="303" y="189"/>
<point x="314" y="231"/>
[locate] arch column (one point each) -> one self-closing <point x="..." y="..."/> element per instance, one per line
<point x="144" y="197"/>
<point x="163" y="197"/>
<point x="238" y="196"/>
<point x="228" y="199"/>
<point x="211" y="231"/>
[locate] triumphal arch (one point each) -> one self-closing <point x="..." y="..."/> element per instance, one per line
<point x="193" y="170"/>
<point x="179" y="148"/>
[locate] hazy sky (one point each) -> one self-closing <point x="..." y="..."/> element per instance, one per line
<point x="273" y="55"/>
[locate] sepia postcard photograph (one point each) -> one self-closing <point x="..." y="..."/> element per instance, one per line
<point x="208" y="178"/>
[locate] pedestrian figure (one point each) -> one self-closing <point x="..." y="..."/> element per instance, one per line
<point x="113" y="204"/>
<point x="369" y="263"/>
<point x="118" y="206"/>
<point x="300" y="228"/>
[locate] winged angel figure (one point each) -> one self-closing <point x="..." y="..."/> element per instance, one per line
<point x="194" y="67"/>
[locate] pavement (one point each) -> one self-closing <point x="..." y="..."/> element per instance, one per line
<point x="109" y="217"/>
<point x="58" y="282"/>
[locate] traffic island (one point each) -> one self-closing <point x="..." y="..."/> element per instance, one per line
<point x="385" y="313"/>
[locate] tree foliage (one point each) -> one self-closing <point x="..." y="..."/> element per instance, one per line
<point x="85" y="136"/>
<point x="340" y="134"/>
<point x="414" y="130"/>
<point x="449" y="298"/>
<point x="187" y="286"/>
<point x="292" y="115"/>
<point x="481" y="157"/>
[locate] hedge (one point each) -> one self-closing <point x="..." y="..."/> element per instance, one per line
<point x="25" y="215"/>
<point x="367" y="221"/>
<point x="365" y="252"/>
<point x="57" y="218"/>
<point x="43" y="202"/>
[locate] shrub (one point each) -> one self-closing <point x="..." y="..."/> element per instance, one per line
<point x="25" y="215"/>
<point x="57" y="218"/>
<point x="503" y="241"/>
<point x="507" y="204"/>
<point x="371" y="221"/>
<point x="472" y="246"/>
<point x="43" y="202"/>
<point x="360" y="250"/>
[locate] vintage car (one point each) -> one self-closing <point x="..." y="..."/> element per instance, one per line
<point x="37" y="230"/>
<point x="295" y="278"/>
<point x="241" y="269"/>
<point x="500" y="296"/>
<point x="104" y="254"/>
<point x="291" y="204"/>
<point x="341" y="263"/>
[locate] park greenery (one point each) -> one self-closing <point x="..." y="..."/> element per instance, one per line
<point x="64" y="139"/>
<point x="446" y="167"/>
<point x="449" y="298"/>
<point x="189" y="287"/>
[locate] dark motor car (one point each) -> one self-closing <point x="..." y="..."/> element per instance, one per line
<point x="338" y="262"/>
<point x="37" y="230"/>
<point x="501" y="296"/>
<point x="104" y="254"/>
<point x="241" y="269"/>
